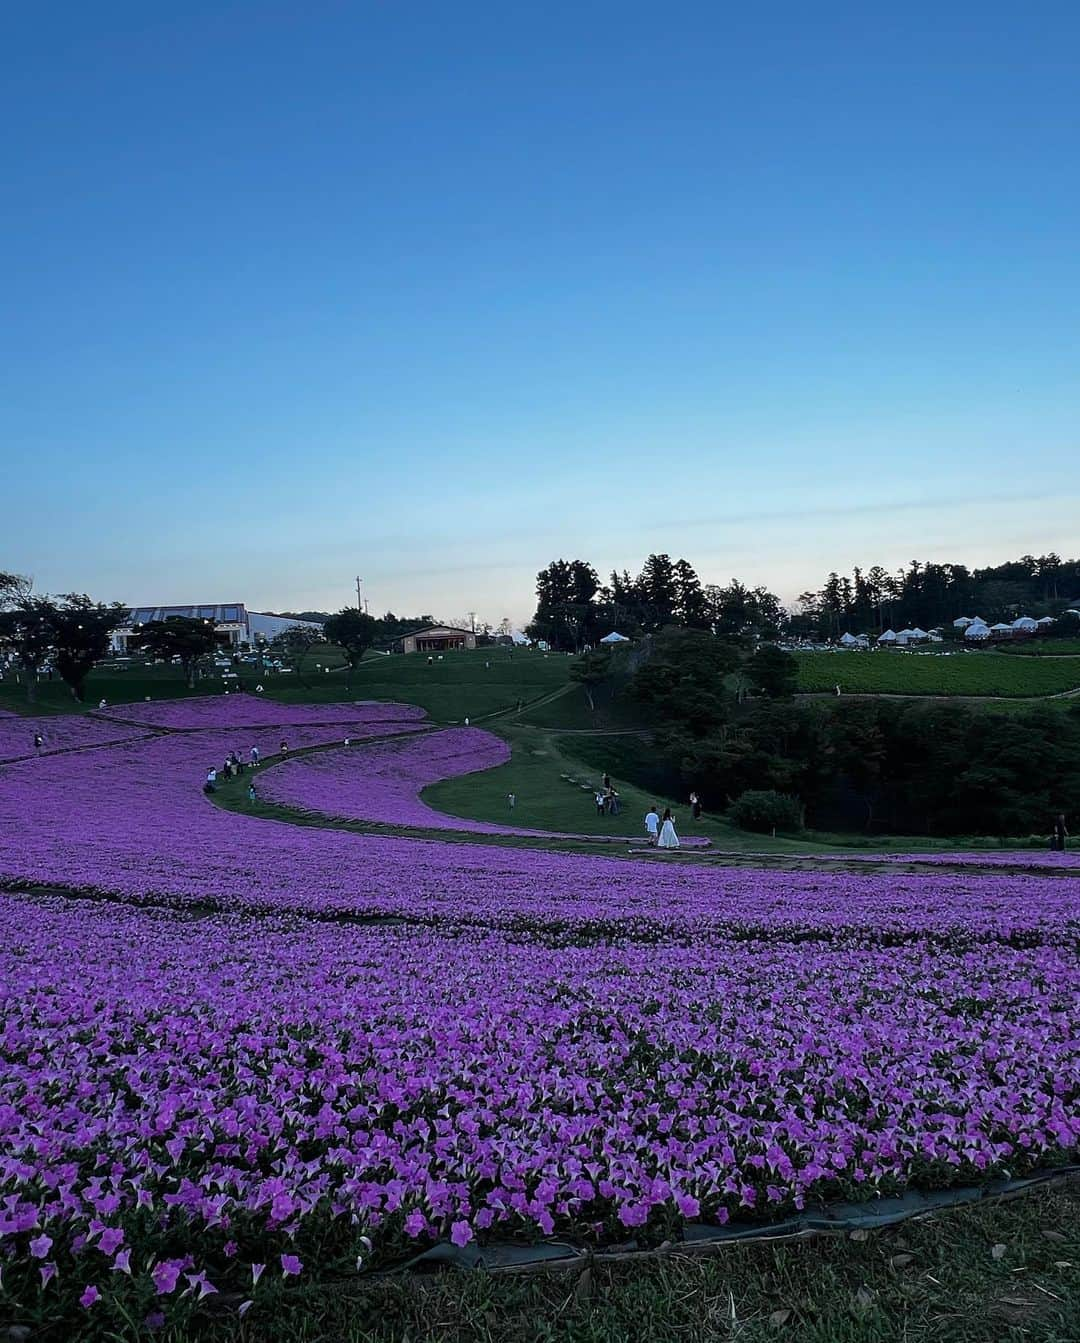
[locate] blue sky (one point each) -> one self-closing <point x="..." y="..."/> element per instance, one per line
<point x="435" y="293"/>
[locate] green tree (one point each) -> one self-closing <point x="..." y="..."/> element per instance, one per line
<point x="179" y="636"/>
<point x="773" y="671"/>
<point x="81" y="630"/>
<point x="566" y="611"/>
<point x="591" y="670"/>
<point x="353" y="631"/>
<point x="27" y="631"/>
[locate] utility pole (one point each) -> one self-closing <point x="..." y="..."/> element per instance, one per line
<point x="472" y="621"/>
<point x="359" y="599"/>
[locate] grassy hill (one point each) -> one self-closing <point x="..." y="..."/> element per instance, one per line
<point x="959" y="673"/>
<point x="463" y="684"/>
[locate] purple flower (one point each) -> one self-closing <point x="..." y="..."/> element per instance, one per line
<point x="166" y="1275"/>
<point x="89" y="1296"/>
<point x="290" y="1264"/>
<point x="40" y="1246"/>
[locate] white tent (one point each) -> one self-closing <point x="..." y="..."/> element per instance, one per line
<point x="905" y="636"/>
<point x="977" y="631"/>
<point x="1025" y="623"/>
<point x="1001" y="628"/>
<point x="917" y="633"/>
<point x="848" y="640"/>
<point x="614" y="638"/>
<point x="889" y="637"/>
<point x="962" y="623"/>
<point x="1045" y="621"/>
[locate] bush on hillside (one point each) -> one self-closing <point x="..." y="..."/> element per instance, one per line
<point x="764" y="811"/>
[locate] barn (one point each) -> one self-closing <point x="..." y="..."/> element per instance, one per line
<point x="436" y="639"/>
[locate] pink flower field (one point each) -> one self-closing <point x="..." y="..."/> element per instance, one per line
<point x="236" y="1049"/>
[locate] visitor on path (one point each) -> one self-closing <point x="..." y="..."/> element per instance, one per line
<point x="668" y="838"/>
<point x="695" y="806"/>
<point x="838" y="689"/>
<point x="252" y="797"/>
<point x="254" y="754"/>
<point x="210" y="786"/>
<point x="1060" y="834"/>
<point x="102" y="704"/>
<point x="511" y="800"/>
<point x="39" y="741"/>
<point x="612" y="802"/>
<point x="599" y="803"/>
<point x="607" y="782"/>
<point x="284" y="747"/>
<point x="652" y="825"/>
<point x="466" y="722"/>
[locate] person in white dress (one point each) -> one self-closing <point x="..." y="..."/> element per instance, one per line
<point x="668" y="838"/>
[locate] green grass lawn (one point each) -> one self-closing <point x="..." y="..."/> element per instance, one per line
<point x="464" y="684"/>
<point x="960" y="673"/>
<point x="1045" y="648"/>
<point x="992" y="1273"/>
<point x="536" y="773"/>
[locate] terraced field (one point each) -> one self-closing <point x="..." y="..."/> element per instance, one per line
<point x="957" y="673"/>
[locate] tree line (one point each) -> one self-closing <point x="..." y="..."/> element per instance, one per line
<point x="574" y="609"/>
<point x="929" y="594"/>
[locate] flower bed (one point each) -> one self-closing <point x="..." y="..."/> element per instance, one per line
<point x="209" y="1095"/>
<point x="236" y="711"/>
<point x="382" y="783"/>
<point x="550" y="1043"/>
<point x="60" y="732"/>
<point x="131" y="821"/>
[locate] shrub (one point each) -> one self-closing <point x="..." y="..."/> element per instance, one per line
<point x="764" y="810"/>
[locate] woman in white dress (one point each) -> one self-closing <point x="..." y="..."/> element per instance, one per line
<point x="668" y="838"/>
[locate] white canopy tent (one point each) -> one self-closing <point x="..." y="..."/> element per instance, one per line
<point x="977" y="631"/>
<point x="614" y="638"/>
<point x="1025" y="624"/>
<point x="889" y="637"/>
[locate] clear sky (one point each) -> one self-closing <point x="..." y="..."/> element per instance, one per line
<point x="436" y="292"/>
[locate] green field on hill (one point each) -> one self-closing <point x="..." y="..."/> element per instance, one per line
<point x="463" y="684"/>
<point x="959" y="673"/>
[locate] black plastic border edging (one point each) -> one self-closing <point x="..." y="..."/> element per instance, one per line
<point x="697" y="1238"/>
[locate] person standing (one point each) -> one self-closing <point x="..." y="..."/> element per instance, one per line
<point x="652" y="825"/>
<point x="613" y="801"/>
<point x="1060" y="833"/>
<point x="599" y="803"/>
<point x="668" y="838"/>
<point x="210" y="786"/>
<point x="511" y="800"/>
<point x="254" y="754"/>
<point x="39" y="742"/>
<point x="284" y="747"/>
<point x="607" y="782"/>
<point x="695" y="806"/>
<point x="252" y="795"/>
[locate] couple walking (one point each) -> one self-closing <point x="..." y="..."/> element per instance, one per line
<point x="661" y="831"/>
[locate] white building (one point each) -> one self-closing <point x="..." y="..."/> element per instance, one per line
<point x="235" y="622"/>
<point x="1025" y="625"/>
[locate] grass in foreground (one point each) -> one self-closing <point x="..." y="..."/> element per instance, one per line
<point x="993" y="1273"/>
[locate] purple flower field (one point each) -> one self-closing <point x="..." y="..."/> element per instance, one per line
<point x="541" y="1043"/>
<point x="237" y="711"/>
<point x="60" y="733"/>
